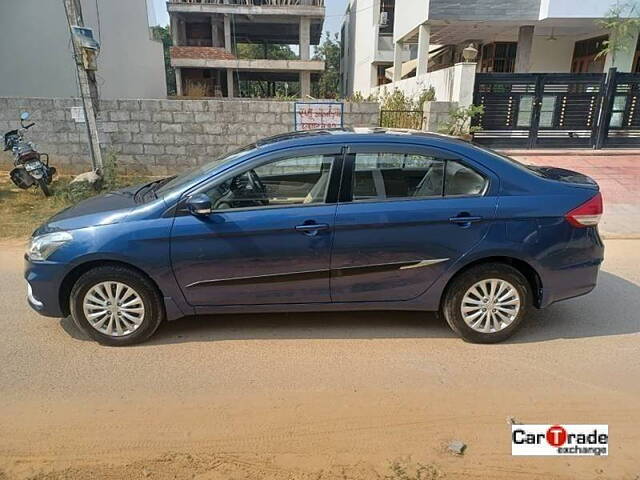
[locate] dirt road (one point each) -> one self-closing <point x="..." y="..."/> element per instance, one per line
<point x="319" y="396"/>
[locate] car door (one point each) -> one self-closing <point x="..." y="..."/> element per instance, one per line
<point x="405" y="215"/>
<point x="270" y="247"/>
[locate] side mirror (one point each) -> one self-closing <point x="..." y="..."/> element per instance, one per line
<point x="199" y="204"/>
<point x="24" y="116"/>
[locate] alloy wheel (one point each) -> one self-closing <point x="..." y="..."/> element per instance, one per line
<point x="113" y="308"/>
<point x="490" y="305"/>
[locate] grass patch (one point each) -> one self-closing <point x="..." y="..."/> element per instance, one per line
<point x="405" y="470"/>
<point x="23" y="210"/>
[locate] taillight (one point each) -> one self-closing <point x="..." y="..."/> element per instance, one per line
<point x="588" y="214"/>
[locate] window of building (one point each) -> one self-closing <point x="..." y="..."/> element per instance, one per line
<point x="198" y="34"/>
<point x="387" y="12"/>
<point x="381" y="75"/>
<point x="498" y="57"/>
<point x="585" y="53"/>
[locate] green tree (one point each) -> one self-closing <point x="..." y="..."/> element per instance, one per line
<point x="328" y="85"/>
<point x="269" y="51"/>
<point x="266" y="88"/>
<point x="163" y="34"/>
<point x="622" y="22"/>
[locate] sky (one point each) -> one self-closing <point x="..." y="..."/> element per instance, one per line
<point x="333" y="21"/>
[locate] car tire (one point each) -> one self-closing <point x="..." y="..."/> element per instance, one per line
<point x="137" y="315"/>
<point x="506" y="300"/>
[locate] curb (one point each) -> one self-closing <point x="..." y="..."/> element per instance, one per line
<point x="570" y="153"/>
<point x="620" y="236"/>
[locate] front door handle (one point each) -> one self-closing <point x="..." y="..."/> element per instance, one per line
<point x="464" y="220"/>
<point x="312" y="229"/>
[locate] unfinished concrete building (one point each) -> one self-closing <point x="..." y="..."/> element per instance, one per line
<point x="207" y="35"/>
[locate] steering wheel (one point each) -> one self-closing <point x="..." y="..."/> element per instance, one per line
<point x="256" y="184"/>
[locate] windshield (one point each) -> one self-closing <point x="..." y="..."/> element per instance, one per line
<point x="192" y="174"/>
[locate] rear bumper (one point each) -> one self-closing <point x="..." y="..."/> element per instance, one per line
<point x="570" y="282"/>
<point x="575" y="270"/>
<point x="44" y="280"/>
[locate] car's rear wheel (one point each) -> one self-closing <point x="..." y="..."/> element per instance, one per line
<point x="116" y="305"/>
<point x="487" y="303"/>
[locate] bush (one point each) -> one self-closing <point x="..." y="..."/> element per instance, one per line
<point x="459" y="124"/>
<point x="397" y="100"/>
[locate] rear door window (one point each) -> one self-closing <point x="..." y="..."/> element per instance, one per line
<point x="385" y="176"/>
<point x="462" y="180"/>
<point x="396" y="175"/>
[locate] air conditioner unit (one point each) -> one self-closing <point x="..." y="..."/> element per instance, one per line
<point x="384" y="18"/>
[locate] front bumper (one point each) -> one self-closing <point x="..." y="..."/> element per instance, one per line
<point x="44" y="280"/>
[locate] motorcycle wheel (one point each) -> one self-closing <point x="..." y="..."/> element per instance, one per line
<point x="42" y="183"/>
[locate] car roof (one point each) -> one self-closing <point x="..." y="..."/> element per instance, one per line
<point x="358" y="134"/>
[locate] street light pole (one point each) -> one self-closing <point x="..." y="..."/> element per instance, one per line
<point x="89" y="101"/>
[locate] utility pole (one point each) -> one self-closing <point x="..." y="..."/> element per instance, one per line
<point x="88" y="89"/>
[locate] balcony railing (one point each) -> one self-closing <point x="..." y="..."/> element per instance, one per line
<point x="269" y="3"/>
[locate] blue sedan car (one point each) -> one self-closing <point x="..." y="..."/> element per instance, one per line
<point x="325" y="220"/>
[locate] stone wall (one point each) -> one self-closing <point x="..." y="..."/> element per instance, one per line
<point x="159" y="137"/>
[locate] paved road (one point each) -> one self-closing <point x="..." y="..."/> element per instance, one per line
<point x="318" y="395"/>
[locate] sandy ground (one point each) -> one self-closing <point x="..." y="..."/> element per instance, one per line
<point x="318" y="396"/>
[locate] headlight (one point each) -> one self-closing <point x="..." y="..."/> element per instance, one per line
<point x="42" y="246"/>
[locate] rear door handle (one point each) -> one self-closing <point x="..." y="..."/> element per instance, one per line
<point x="312" y="229"/>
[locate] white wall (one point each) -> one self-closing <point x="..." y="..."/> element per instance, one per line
<point x="575" y="8"/>
<point x="37" y="58"/>
<point x="550" y="57"/>
<point x="453" y="84"/>
<point x="361" y="51"/>
<point x="361" y="47"/>
<point x="408" y="15"/>
<point x="131" y="64"/>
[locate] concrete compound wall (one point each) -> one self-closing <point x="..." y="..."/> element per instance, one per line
<point x="452" y="84"/>
<point x="436" y="115"/>
<point x="158" y="137"/>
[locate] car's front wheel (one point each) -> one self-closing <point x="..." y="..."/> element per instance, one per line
<point x="487" y="303"/>
<point x="116" y="305"/>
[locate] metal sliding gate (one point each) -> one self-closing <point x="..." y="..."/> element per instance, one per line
<point x="621" y="115"/>
<point x="547" y="110"/>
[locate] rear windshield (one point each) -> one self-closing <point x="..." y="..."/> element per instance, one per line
<point x="548" y="172"/>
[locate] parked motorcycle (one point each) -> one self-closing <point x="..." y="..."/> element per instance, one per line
<point x="31" y="167"/>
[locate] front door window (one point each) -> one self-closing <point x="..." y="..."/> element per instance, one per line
<point x="291" y="181"/>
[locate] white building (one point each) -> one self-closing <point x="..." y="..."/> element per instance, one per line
<point x="419" y="43"/>
<point x="37" y="57"/>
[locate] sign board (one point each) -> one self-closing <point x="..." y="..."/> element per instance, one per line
<point x="84" y="37"/>
<point x="310" y="115"/>
<point x="77" y="114"/>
